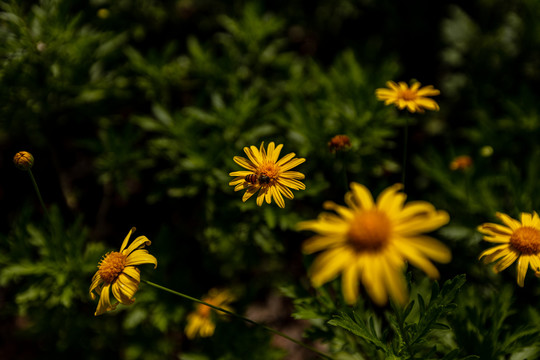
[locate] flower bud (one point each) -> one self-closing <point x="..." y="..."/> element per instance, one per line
<point x="339" y="143"/>
<point x="23" y="160"/>
<point x="462" y="162"/>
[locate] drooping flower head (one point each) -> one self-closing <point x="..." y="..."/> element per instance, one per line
<point x="118" y="273"/>
<point x="201" y="322"/>
<point x="370" y="242"/>
<point x="517" y="240"/>
<point x="268" y="175"/>
<point x="413" y="98"/>
<point x="23" y="160"/>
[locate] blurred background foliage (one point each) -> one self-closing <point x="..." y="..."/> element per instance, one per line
<point x="134" y="109"/>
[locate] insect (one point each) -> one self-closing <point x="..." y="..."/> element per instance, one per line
<point x="254" y="179"/>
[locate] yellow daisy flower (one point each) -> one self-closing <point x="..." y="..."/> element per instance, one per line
<point x="413" y="98"/>
<point x="200" y="322"/>
<point x="371" y="241"/>
<point x="267" y="175"/>
<point x="118" y="272"/>
<point x="518" y="240"/>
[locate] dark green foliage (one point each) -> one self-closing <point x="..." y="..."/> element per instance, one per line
<point x="412" y="336"/>
<point x="134" y="110"/>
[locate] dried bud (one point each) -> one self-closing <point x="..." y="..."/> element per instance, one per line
<point x="462" y="162"/>
<point x="23" y="160"/>
<point x="339" y="143"/>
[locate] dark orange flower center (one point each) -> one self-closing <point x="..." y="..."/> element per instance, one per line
<point x="111" y="266"/>
<point x="369" y="231"/>
<point x="269" y="169"/>
<point x="407" y="94"/>
<point x="526" y="239"/>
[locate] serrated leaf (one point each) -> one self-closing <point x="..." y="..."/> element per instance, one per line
<point x="357" y="328"/>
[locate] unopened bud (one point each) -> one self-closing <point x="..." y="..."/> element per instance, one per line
<point x="339" y="143"/>
<point x="23" y="160"/>
<point x="462" y="162"/>
<point x="103" y="13"/>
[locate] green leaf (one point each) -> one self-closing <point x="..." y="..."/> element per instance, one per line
<point x="358" y="328"/>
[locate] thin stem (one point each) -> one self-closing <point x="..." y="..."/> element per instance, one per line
<point x="37" y="192"/>
<point x="405" y="145"/>
<point x="274" y="331"/>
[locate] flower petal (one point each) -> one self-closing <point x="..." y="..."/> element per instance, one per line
<point x="245" y="163"/>
<point x="522" y="266"/>
<point x="139" y="257"/>
<point x="104" y="303"/>
<point x="291" y="164"/>
<point x="327" y="266"/>
<point x="138" y="243"/>
<point x="349" y="283"/>
<point x="360" y="197"/>
<point x="318" y="243"/>
<point x="277" y="197"/>
<point x="126" y="239"/>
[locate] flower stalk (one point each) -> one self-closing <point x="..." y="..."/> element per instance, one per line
<point x="272" y="330"/>
<point x="36" y="188"/>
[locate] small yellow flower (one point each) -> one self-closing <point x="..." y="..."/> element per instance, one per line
<point x="518" y="240"/>
<point x="413" y="98"/>
<point x="23" y="160"/>
<point x="370" y="242"/>
<point x="339" y="143"/>
<point x="200" y="322"/>
<point x="462" y="162"/>
<point x="267" y="175"/>
<point x="118" y="272"/>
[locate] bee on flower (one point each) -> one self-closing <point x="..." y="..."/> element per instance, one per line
<point x="266" y="174"/>
<point x="414" y="98"/>
<point x="118" y="273"/>
<point x="370" y="242"/>
<point x="202" y="321"/>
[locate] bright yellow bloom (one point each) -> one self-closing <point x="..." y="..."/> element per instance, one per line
<point x="200" y="322"/>
<point x="413" y="98"/>
<point x="518" y="240"/>
<point x="267" y="175"/>
<point x="370" y="242"/>
<point x="118" y="272"/>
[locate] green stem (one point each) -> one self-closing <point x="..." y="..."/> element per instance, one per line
<point x="274" y="331"/>
<point x="405" y="144"/>
<point x="37" y="192"/>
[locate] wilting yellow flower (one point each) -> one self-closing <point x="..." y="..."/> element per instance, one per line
<point x="370" y="242"/>
<point x="118" y="272"/>
<point x="23" y="160"/>
<point x="267" y="175"/>
<point x="413" y="98"/>
<point x="339" y="143"/>
<point x="462" y="162"/>
<point x="201" y="322"/>
<point x="518" y="240"/>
